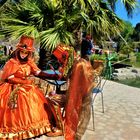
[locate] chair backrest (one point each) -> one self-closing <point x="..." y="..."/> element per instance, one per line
<point x="98" y="67"/>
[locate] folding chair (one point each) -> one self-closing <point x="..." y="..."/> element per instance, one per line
<point x="98" y="89"/>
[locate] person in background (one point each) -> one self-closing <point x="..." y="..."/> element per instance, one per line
<point x="5" y="50"/>
<point x="11" y="50"/>
<point x="100" y="52"/>
<point x="24" y="110"/>
<point x="86" y="47"/>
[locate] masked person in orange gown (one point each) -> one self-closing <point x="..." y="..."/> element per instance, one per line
<point x="24" y="111"/>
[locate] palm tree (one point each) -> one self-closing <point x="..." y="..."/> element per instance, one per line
<point x="2" y="2"/>
<point x="54" y="21"/>
<point x="129" y="5"/>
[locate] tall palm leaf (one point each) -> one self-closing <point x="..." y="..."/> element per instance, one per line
<point x="128" y="4"/>
<point x="55" y="21"/>
<point x="63" y="16"/>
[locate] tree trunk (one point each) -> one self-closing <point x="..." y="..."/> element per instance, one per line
<point x="45" y="56"/>
<point x="78" y="38"/>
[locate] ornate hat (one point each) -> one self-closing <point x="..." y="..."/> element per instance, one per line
<point x="65" y="55"/>
<point x="26" y="43"/>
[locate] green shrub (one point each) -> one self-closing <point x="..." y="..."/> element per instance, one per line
<point x="97" y="57"/>
<point x="122" y="58"/>
<point x="3" y="59"/>
<point x="131" y="82"/>
<point x="138" y="57"/>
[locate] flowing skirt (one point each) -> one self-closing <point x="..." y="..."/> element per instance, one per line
<point x="30" y="117"/>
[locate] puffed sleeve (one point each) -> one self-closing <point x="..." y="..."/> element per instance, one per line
<point x="10" y="68"/>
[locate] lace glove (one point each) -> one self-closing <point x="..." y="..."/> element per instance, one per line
<point x="15" y="80"/>
<point x="44" y="75"/>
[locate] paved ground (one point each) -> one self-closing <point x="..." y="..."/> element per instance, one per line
<point x="121" y="119"/>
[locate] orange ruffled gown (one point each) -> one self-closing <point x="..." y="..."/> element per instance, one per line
<point x="31" y="116"/>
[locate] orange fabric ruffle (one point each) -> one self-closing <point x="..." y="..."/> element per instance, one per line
<point x="25" y="134"/>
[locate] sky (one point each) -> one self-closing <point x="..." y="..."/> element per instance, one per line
<point x="121" y="12"/>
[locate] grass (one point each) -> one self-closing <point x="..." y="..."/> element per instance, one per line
<point x="135" y="62"/>
<point x="131" y="82"/>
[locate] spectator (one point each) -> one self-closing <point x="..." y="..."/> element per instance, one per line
<point x="5" y="50"/>
<point x="10" y="50"/>
<point x="86" y="47"/>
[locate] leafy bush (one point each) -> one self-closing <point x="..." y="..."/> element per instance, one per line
<point x="123" y="58"/>
<point x="133" y="60"/>
<point x="97" y="57"/>
<point x="3" y="60"/>
<point x="131" y="82"/>
<point x="138" y="57"/>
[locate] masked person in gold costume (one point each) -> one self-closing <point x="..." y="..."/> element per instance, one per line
<point x="78" y="96"/>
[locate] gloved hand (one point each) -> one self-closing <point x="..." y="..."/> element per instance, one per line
<point x="44" y="75"/>
<point x="60" y="76"/>
<point x="15" y="80"/>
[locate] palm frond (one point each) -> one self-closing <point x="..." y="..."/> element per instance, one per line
<point x="11" y="21"/>
<point x="15" y="32"/>
<point x="52" y="37"/>
<point x="129" y="6"/>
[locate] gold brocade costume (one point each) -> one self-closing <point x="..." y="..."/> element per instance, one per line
<point x="24" y="111"/>
<point x="78" y="100"/>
